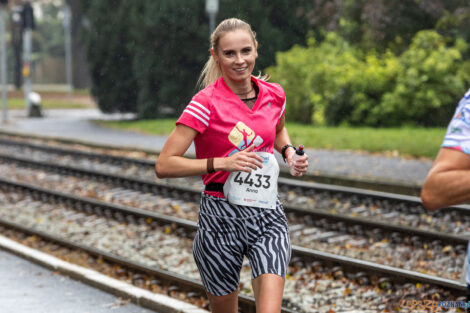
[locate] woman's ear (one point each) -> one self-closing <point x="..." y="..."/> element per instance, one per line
<point x="214" y="55"/>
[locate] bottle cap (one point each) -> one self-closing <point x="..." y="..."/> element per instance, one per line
<point x="300" y="150"/>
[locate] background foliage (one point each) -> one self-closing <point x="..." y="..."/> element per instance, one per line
<point x="155" y="50"/>
<point x="335" y="83"/>
<point x="341" y="62"/>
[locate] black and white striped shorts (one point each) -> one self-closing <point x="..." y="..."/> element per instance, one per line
<point x="227" y="232"/>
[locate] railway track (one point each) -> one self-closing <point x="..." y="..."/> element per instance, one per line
<point x="129" y="213"/>
<point x="405" y="203"/>
<point x="410" y="205"/>
<point x="337" y="269"/>
<point x="292" y="189"/>
<point x="142" y="170"/>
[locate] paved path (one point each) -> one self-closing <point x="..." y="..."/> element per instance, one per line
<point x="77" y="124"/>
<point x="29" y="288"/>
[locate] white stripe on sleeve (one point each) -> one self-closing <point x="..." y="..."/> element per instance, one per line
<point x="201" y="106"/>
<point x="197" y="116"/>
<point x="283" y="108"/>
<point x="198" y="111"/>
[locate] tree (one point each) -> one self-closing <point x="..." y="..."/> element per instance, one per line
<point x="109" y="56"/>
<point x="169" y="43"/>
<point x="163" y="45"/>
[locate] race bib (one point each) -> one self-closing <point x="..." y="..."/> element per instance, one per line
<point x="257" y="188"/>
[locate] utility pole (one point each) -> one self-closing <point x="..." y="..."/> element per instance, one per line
<point x="17" y="43"/>
<point x="68" y="49"/>
<point x="28" y="26"/>
<point x="212" y="8"/>
<point x="3" y="61"/>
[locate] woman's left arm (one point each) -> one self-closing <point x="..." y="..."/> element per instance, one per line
<point x="282" y="139"/>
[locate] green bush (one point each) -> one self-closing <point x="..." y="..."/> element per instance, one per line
<point x="335" y="83"/>
<point x="430" y="80"/>
<point x="315" y="75"/>
<point x="362" y="90"/>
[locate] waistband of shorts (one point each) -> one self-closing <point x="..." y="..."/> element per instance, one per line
<point x="207" y="196"/>
<point x="215" y="187"/>
<point x="221" y="207"/>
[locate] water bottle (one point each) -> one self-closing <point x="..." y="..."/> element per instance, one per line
<point x="298" y="153"/>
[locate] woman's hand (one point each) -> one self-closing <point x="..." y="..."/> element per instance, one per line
<point x="243" y="161"/>
<point x="301" y="163"/>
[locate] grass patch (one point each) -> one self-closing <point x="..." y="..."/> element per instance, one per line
<point x="81" y="92"/>
<point x="409" y="141"/>
<point x="153" y="127"/>
<point x="17" y="103"/>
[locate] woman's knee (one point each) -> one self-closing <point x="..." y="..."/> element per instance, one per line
<point x="226" y="303"/>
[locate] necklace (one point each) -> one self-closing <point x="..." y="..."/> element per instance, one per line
<point x="244" y="93"/>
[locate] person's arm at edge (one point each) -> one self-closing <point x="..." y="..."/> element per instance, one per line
<point x="448" y="181"/>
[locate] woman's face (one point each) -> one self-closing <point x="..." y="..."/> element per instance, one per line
<point x="236" y="56"/>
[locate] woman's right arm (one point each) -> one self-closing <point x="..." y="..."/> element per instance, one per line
<point x="171" y="162"/>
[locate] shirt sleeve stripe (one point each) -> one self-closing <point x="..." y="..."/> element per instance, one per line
<point x="197" y="116"/>
<point x="198" y="111"/>
<point x="283" y="108"/>
<point x="201" y="106"/>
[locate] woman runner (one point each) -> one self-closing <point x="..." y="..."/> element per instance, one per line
<point x="236" y="121"/>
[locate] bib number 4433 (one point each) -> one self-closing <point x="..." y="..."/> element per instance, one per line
<point x="256" y="181"/>
<point x="257" y="188"/>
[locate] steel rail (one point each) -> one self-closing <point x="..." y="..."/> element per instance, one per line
<point x="349" y="264"/>
<point x="188" y="193"/>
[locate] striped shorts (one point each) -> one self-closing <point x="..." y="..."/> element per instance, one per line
<point x="227" y="232"/>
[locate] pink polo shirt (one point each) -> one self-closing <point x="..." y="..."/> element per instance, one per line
<point x="226" y="125"/>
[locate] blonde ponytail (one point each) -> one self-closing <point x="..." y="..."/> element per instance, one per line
<point x="210" y="73"/>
